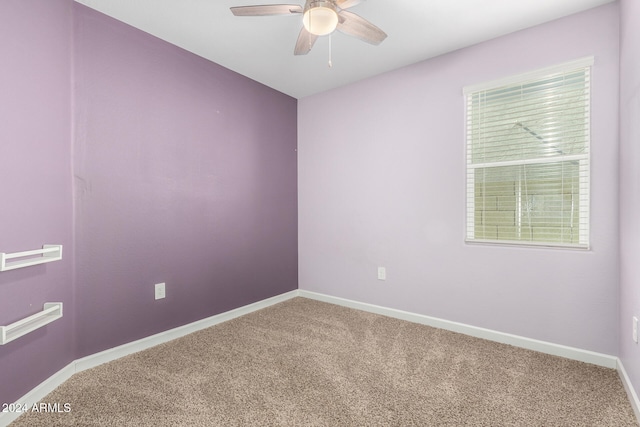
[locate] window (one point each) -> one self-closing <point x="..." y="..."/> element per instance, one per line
<point x="528" y="158"/>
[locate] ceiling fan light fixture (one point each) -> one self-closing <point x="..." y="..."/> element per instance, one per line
<point x="320" y="18"/>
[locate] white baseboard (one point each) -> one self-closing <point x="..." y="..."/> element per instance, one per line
<point x="628" y="387"/>
<point x="153" y="340"/>
<point x="599" y="359"/>
<point x="488" y="334"/>
<point x="38" y="393"/>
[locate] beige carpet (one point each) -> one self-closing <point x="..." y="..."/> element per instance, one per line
<point x="308" y="363"/>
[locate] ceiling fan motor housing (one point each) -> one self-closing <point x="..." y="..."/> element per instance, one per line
<point x="320" y="17"/>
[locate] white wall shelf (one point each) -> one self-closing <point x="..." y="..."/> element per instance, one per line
<point x="51" y="312"/>
<point x="48" y="253"/>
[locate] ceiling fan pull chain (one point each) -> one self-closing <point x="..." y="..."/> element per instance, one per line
<point x="330" y="63"/>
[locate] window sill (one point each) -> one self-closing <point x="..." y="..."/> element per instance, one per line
<point x="521" y="244"/>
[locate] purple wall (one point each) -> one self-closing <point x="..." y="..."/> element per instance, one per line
<point x="35" y="171"/>
<point x="629" y="185"/>
<point x="185" y="173"/>
<point x="384" y="185"/>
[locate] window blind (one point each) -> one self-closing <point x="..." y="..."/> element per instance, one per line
<point x="528" y="160"/>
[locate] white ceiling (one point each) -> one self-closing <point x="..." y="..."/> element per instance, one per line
<point x="261" y="48"/>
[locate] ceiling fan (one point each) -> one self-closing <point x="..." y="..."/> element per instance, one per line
<point x="320" y="18"/>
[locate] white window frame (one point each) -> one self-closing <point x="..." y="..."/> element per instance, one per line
<point x="584" y="199"/>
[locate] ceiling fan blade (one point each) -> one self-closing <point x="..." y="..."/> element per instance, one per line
<point x="346" y="4"/>
<point x="266" y="10"/>
<point x="305" y="42"/>
<point x="356" y="26"/>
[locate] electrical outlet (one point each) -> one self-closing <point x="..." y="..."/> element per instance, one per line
<point x="382" y="273"/>
<point x="160" y="293"/>
<point x="635" y="329"/>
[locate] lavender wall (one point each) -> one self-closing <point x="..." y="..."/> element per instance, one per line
<point x="185" y="173"/>
<point x="629" y="185"/>
<point x="382" y="183"/>
<point x="35" y="172"/>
